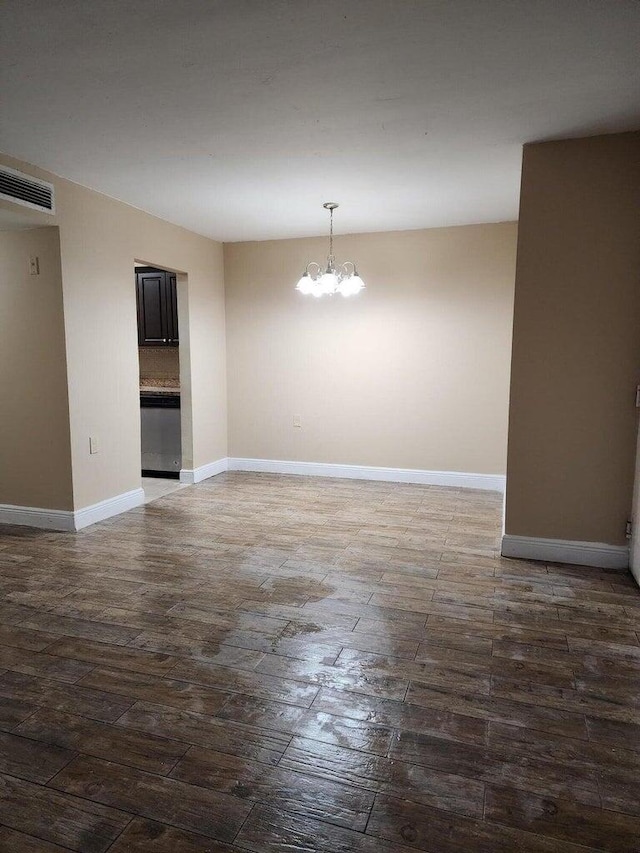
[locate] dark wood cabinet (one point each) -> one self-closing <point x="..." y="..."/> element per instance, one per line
<point x="157" y="308"/>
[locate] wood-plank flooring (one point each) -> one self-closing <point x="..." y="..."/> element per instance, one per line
<point x="271" y="664"/>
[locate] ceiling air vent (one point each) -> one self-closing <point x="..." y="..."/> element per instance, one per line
<point x="23" y="189"/>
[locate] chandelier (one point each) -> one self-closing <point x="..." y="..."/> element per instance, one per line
<point x="333" y="278"/>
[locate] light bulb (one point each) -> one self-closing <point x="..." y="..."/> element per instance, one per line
<point x="328" y="282"/>
<point x="351" y="285"/>
<point x="355" y="284"/>
<point x="343" y="287"/>
<point x="305" y="285"/>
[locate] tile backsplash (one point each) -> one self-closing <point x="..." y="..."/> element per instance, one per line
<point x="159" y="363"/>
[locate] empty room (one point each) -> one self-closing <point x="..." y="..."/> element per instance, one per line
<point x="319" y="462"/>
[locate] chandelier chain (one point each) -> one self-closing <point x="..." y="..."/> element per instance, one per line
<point x="331" y="232"/>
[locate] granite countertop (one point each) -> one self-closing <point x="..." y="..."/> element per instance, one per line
<point x="159" y="386"/>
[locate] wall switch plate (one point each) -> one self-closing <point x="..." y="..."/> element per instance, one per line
<point x="297" y="421"/>
<point x="34" y="265"/>
<point x="93" y="444"/>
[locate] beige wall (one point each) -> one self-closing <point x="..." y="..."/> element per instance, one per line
<point x="35" y="452"/>
<point x="576" y="343"/>
<point x="412" y="373"/>
<point x="100" y="239"/>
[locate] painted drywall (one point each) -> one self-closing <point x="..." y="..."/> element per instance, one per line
<point x="411" y="373"/>
<point x="100" y="240"/>
<point x="576" y="341"/>
<point x="35" y="450"/>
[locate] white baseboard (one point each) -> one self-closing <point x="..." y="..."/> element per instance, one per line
<point x="197" y="475"/>
<point x="489" y="482"/>
<point x="105" y="509"/>
<point x="70" y="520"/>
<point x="31" y="516"/>
<point x="595" y="554"/>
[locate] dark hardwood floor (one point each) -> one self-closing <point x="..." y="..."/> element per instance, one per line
<point x="274" y="664"/>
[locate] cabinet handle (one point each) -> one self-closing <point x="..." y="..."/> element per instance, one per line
<point x="164" y="340"/>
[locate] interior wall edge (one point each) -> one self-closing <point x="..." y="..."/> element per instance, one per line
<point x="576" y="350"/>
<point x="35" y="433"/>
<point x="106" y="509"/>
<point x="31" y="516"/>
<point x="596" y="554"/>
<point x="70" y="520"/>
<point x="203" y="472"/>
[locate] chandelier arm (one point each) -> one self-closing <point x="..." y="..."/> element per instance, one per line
<point x="317" y="266"/>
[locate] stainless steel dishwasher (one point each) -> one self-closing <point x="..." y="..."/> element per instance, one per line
<point x="161" y="437"/>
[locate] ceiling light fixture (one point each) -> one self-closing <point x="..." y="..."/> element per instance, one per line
<point x="334" y="278"/>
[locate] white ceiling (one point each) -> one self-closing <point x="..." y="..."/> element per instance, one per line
<point x="238" y="118"/>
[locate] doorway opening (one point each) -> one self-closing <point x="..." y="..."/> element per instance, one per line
<point x="159" y="369"/>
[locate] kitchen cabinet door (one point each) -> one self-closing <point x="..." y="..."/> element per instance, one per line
<point x="157" y="308"/>
<point x="172" y="296"/>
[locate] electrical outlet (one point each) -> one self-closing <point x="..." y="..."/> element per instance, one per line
<point x="297" y="421"/>
<point x="93" y="444"/>
<point x="34" y="265"/>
